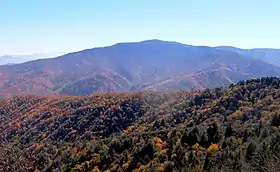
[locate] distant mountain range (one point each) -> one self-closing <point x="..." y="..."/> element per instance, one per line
<point x="268" y="55"/>
<point x="16" y="59"/>
<point x="148" y="65"/>
<point x="8" y="60"/>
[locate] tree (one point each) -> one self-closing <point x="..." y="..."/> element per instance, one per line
<point x="12" y="159"/>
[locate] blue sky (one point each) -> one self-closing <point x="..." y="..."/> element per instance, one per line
<point x="38" y="26"/>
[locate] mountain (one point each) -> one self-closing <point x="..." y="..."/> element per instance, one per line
<point x="271" y="56"/>
<point x="16" y="59"/>
<point x="230" y="129"/>
<point x="147" y="65"/>
<point x="40" y="55"/>
<point x="8" y="60"/>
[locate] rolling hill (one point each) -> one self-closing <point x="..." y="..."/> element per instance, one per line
<point x="147" y="65"/>
<point x="269" y="55"/>
<point x="231" y="129"/>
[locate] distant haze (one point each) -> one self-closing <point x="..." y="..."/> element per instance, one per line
<point x="17" y="58"/>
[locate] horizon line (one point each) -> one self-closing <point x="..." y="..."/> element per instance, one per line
<point x="127" y="42"/>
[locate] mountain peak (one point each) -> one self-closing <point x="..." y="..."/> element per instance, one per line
<point x="158" y="41"/>
<point x="145" y="65"/>
<point x="153" y="41"/>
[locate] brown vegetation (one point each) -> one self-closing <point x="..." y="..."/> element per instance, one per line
<point x="236" y="128"/>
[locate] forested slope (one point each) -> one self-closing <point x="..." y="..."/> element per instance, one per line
<point x="231" y="129"/>
<point x="146" y="65"/>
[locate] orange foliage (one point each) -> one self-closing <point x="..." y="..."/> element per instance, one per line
<point x="75" y="150"/>
<point x="157" y="140"/>
<point x="142" y="168"/>
<point x="160" y="168"/>
<point x="96" y="169"/>
<point x="169" y="134"/>
<point x="18" y="124"/>
<point x="38" y="147"/>
<point x="126" y="132"/>
<point x="82" y="152"/>
<point x="237" y="113"/>
<point x="115" y="107"/>
<point x="125" y="165"/>
<point x="213" y="148"/>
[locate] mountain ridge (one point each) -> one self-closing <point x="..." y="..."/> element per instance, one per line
<point x="127" y="66"/>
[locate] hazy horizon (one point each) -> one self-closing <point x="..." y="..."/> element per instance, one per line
<point x="68" y="26"/>
<point x="54" y="54"/>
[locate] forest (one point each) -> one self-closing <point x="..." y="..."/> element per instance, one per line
<point x="222" y="129"/>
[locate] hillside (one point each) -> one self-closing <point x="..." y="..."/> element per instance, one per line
<point x="231" y="129"/>
<point x="268" y="55"/>
<point x="146" y="65"/>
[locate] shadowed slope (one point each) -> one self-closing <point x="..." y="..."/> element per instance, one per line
<point x="126" y="66"/>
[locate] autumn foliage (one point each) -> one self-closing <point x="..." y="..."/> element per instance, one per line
<point x="222" y="129"/>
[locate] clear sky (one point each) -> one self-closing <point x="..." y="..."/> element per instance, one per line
<point x="38" y="26"/>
